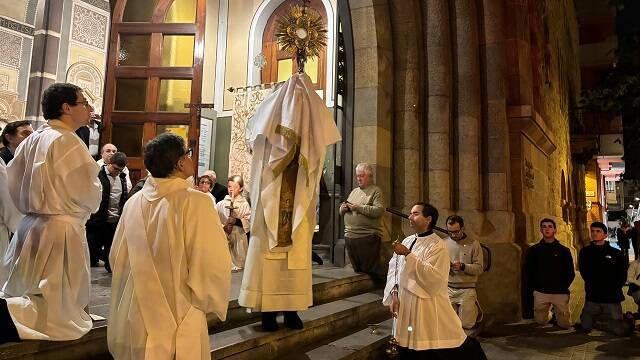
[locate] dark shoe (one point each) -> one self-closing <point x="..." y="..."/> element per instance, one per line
<point x="107" y="267"/>
<point x="316" y="258"/>
<point x="269" y="322"/>
<point x="292" y="320"/>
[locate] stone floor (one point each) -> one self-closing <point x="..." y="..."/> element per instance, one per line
<point x="526" y="340"/>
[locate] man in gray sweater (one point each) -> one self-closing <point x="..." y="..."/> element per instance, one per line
<point x="363" y="224"/>
<point x="466" y="266"/>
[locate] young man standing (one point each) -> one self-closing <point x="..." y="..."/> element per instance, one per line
<point x="550" y="272"/>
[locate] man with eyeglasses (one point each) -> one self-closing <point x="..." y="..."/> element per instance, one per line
<point x="102" y="224"/>
<point x="466" y="266"/>
<point x="105" y="156"/>
<point x="53" y="180"/>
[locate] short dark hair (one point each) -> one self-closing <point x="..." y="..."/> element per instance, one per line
<point x="162" y="154"/>
<point x="119" y="159"/>
<point x="598" y="224"/>
<point x="455" y="219"/>
<point x="429" y="210"/>
<point x="56" y="95"/>
<point x="547" y="220"/>
<point x="12" y="129"/>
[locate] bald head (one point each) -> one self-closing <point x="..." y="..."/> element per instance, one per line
<point x="107" y="152"/>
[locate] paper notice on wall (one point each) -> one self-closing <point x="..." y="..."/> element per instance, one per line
<point x="204" y="150"/>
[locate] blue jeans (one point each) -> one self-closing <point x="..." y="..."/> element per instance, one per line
<point x="611" y="312"/>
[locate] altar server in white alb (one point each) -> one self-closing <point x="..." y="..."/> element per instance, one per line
<point x="416" y="293"/>
<point x="10" y="218"/>
<point x="291" y="130"/>
<point x="235" y="212"/>
<point x="170" y="261"/>
<point x="53" y="180"/>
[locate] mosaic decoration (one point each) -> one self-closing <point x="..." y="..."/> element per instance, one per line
<point x="10" y="48"/>
<point x="89" y="27"/>
<point x="15" y="26"/>
<point x="88" y="77"/>
<point x="4" y="82"/>
<point x="100" y="4"/>
<point x="245" y="103"/>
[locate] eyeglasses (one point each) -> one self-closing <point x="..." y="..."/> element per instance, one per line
<point x="456" y="232"/>
<point x="204" y="182"/>
<point x="116" y="168"/>
<point x="83" y="103"/>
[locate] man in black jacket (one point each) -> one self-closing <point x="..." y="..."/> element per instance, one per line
<point x="102" y="224"/>
<point x="604" y="271"/>
<point x="550" y="272"/>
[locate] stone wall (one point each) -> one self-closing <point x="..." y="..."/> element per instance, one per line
<point x="479" y="120"/>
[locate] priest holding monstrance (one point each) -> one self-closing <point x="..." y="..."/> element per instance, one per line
<point x="291" y="130"/>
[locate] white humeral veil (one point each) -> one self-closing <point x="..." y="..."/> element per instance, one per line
<point x="279" y="278"/>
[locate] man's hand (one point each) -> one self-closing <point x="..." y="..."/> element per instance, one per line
<point x="455" y="265"/>
<point x="394" y="307"/>
<point x="400" y="249"/>
<point x="344" y="207"/>
<point x="352" y="207"/>
<point x="228" y="227"/>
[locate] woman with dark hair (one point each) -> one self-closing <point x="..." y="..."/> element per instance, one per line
<point x="170" y="261"/>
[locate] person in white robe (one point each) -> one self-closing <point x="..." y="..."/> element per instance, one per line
<point x="291" y="119"/>
<point x="170" y="261"/>
<point x="235" y="213"/>
<point x="53" y="180"/>
<point x="416" y="293"/>
<point x="10" y="218"/>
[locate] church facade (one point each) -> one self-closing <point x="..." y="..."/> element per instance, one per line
<point x="464" y="104"/>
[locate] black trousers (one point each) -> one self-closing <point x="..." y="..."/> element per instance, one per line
<point x="8" y="331"/>
<point x="100" y="237"/>
<point x="364" y="254"/>
<point x="469" y="350"/>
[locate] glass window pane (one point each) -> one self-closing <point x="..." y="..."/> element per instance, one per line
<point x="177" y="50"/>
<point x="139" y="11"/>
<point x="311" y="68"/>
<point x="285" y="69"/>
<point x="180" y="130"/>
<point x="182" y="11"/>
<point x="134" y="50"/>
<point x="130" y="94"/>
<point x="174" y="94"/>
<point x="127" y="138"/>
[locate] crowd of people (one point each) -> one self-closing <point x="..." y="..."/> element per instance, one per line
<point x="175" y="240"/>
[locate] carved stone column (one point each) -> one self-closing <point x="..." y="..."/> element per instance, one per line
<point x="467" y="116"/>
<point x="439" y="157"/>
<point x="407" y="129"/>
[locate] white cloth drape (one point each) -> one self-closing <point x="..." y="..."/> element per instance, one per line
<point x="292" y="118"/>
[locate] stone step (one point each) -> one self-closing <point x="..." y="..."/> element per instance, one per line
<point x="328" y="286"/>
<point x="320" y="322"/>
<point x="367" y="343"/>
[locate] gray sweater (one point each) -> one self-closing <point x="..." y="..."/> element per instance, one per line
<point x="469" y="252"/>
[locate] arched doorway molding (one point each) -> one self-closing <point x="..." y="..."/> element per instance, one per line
<point x="258" y="23"/>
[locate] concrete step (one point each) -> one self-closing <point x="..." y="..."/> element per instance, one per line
<point x="320" y="322"/>
<point x="367" y="343"/>
<point x="329" y="286"/>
